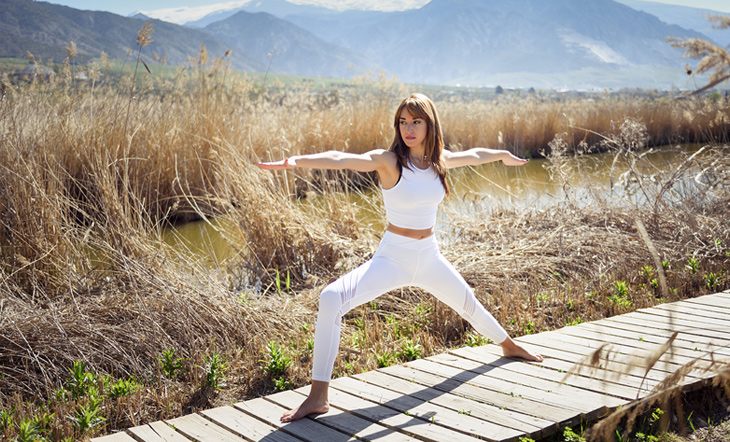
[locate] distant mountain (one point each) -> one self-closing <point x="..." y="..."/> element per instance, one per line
<point x="686" y="17"/>
<point x="469" y="41"/>
<point x="46" y="29"/>
<point x="293" y="50"/>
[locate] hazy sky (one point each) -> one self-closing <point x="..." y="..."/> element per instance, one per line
<point x="126" y="7"/>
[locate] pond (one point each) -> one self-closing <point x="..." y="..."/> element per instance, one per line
<point x="475" y="191"/>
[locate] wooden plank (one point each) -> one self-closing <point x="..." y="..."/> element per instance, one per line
<point x="721" y="300"/>
<point x="537" y="375"/>
<point x="497" y="392"/>
<point x="709" y="302"/>
<point x="429" y="411"/>
<point x="658" y="337"/>
<point x="116" y="437"/>
<point x="634" y="348"/>
<point x="721" y="324"/>
<point x="305" y="429"/>
<point x="157" y="432"/>
<point x="675" y="324"/>
<point x="200" y="429"/>
<point x="686" y="335"/>
<point x="246" y="426"/>
<point x="347" y="423"/>
<point x="504" y="417"/>
<point x="699" y="310"/>
<point x="620" y="363"/>
<point x="419" y="427"/>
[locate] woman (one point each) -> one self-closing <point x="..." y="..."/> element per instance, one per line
<point x="412" y="175"/>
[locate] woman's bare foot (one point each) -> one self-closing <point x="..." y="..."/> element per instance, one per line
<point x="316" y="402"/>
<point x="510" y="349"/>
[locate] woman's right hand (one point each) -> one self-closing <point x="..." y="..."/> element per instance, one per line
<point x="286" y="163"/>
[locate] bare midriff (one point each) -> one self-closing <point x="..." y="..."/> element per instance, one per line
<point x="410" y="233"/>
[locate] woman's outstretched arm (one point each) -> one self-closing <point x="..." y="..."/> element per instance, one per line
<point x="480" y="155"/>
<point x="374" y="160"/>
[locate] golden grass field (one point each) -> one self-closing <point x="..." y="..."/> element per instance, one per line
<point x="103" y="325"/>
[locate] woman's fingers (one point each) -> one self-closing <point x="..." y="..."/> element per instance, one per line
<point x="275" y="165"/>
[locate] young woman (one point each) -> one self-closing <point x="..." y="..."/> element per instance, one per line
<point x="412" y="175"/>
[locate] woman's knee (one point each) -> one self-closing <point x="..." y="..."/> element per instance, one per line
<point x="330" y="299"/>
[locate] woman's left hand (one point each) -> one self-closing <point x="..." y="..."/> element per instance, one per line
<point x="511" y="160"/>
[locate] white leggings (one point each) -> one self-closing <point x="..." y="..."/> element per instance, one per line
<point x="399" y="261"/>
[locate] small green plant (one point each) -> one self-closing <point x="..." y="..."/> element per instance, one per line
<point x="571" y="436"/>
<point x="665" y="264"/>
<point x="123" y="387"/>
<point x="170" y="364"/>
<point x="619" y="296"/>
<point x="620" y="288"/>
<point x="29" y="431"/>
<point x="282" y="384"/>
<point x="641" y="437"/>
<point x="712" y="280"/>
<point x="410" y="350"/>
<point x="475" y="340"/>
<point x="6" y="419"/>
<point x="526" y="439"/>
<point x="466" y="412"/>
<point x="277" y="281"/>
<point x="384" y="359"/>
<point x="693" y="265"/>
<point x="87" y="417"/>
<point x="423" y="311"/>
<point x="80" y="380"/>
<point x="278" y="360"/>
<point x="529" y="328"/>
<point x="648" y="272"/>
<point x="215" y="371"/>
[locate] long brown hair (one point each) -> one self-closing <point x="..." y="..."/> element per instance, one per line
<point x="420" y="106"/>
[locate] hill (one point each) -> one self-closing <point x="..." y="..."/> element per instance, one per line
<point x="473" y="41"/>
<point x="294" y="50"/>
<point x="46" y="29"/>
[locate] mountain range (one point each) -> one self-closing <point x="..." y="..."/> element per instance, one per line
<point x="577" y="44"/>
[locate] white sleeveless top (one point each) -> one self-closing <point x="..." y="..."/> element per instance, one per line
<point x="413" y="202"/>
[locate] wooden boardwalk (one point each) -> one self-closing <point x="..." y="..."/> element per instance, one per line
<point x="473" y="393"/>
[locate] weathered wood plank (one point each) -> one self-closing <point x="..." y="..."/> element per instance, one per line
<point x="419" y="427"/>
<point x="721" y="324"/>
<point x="701" y="310"/>
<point x="196" y="427"/>
<point x="524" y="399"/>
<point x="620" y="362"/>
<point x="626" y="338"/>
<point x="607" y="394"/>
<point x="634" y="349"/>
<point x="247" y="426"/>
<point x="724" y="303"/>
<point x="305" y="429"/>
<point x="340" y="420"/>
<point x="116" y="437"/>
<point x="157" y="432"/>
<point x="673" y="325"/>
<point x="473" y="359"/>
<point x="532" y="426"/>
<point x="431" y="412"/>
<point x="689" y="340"/>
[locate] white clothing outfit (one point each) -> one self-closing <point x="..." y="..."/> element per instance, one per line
<point x="399" y="261"/>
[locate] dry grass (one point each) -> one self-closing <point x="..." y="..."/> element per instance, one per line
<point x="91" y="174"/>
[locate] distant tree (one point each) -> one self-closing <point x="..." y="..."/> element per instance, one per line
<point x="713" y="58"/>
<point x="498" y="90"/>
<point x="531" y="90"/>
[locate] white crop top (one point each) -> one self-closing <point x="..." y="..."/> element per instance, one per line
<point x="413" y="202"/>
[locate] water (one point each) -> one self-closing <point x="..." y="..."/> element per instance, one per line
<point x="475" y="191"/>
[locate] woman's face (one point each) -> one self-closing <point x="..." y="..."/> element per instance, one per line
<point x="412" y="130"/>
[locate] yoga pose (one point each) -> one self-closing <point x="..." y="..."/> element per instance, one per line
<point x="412" y="175"/>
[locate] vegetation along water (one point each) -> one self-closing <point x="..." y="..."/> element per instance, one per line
<point x="106" y="323"/>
